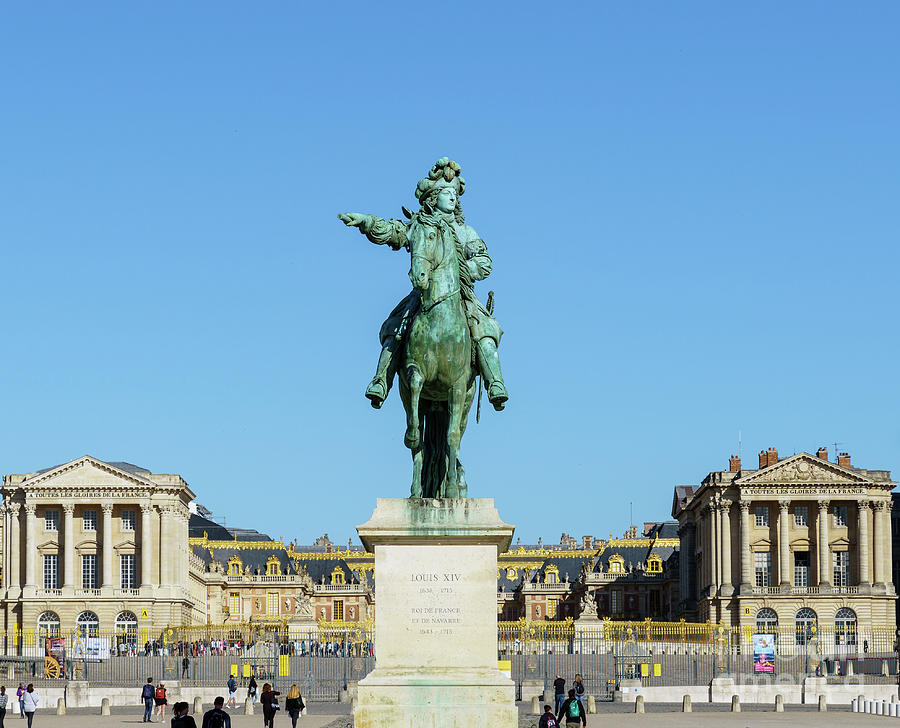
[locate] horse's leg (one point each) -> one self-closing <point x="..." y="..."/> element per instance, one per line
<point x="457" y="401"/>
<point x="413" y="438"/>
<point x="467" y="406"/>
<point x="415" y="490"/>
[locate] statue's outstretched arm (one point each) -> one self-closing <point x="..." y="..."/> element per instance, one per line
<point x="377" y="229"/>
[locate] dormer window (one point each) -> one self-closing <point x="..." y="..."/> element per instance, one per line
<point x="234" y="566"/>
<point x="273" y="566"/>
<point x="654" y="564"/>
<point x="337" y="576"/>
<point x="616" y="564"/>
<point x="510" y="573"/>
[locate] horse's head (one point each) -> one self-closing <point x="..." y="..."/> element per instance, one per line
<point x="422" y="253"/>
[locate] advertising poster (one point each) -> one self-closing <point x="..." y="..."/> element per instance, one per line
<point x="763" y="653"/>
<point x="90" y="648"/>
<point x="54" y="649"/>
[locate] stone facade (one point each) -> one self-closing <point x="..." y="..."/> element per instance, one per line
<point x="797" y="534"/>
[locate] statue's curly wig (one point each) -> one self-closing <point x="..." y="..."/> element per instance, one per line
<point x="444" y="173"/>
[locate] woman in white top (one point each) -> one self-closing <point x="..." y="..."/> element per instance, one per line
<point x="4" y="699"/>
<point x="30" y="701"/>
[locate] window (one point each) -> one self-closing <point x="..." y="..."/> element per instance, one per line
<point x="511" y="573"/>
<point x="762" y="561"/>
<point x="88" y="624"/>
<point x="845" y="627"/>
<point x="272" y="603"/>
<point x="48" y="624"/>
<point x="803" y="624"/>
<point x="654" y="564"/>
<point x="128" y="566"/>
<point x="51" y="571"/>
<point x="801" y="568"/>
<point x="234" y="566"/>
<point x="840" y="515"/>
<point x="89" y="521"/>
<point x="841" y="562"/>
<point x="616" y="564"/>
<point x="51" y="520"/>
<point x="801" y="515"/>
<point x="128" y="520"/>
<point x="89" y="571"/>
<point x="273" y="566"/>
<point x="126" y="623"/>
<point x="762" y="516"/>
<point x="550" y="577"/>
<point x="766" y="621"/>
<point x="234" y="604"/>
<point x="552" y="607"/>
<point x="337" y="576"/>
<point x="337" y="610"/>
<point x="616" y="602"/>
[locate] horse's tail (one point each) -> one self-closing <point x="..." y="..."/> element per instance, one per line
<point x="435" y="450"/>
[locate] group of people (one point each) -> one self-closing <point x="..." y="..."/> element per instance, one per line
<point x="217" y="717"/>
<point x="569" y="709"/>
<point x="27" y="698"/>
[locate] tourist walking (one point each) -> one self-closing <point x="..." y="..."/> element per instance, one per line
<point x="160" y="699"/>
<point x="548" y="720"/>
<point x="180" y="717"/>
<point x="232" y="689"/>
<point x="572" y="712"/>
<point x="251" y="689"/>
<point x="147" y="693"/>
<point x="216" y="718"/>
<point x="293" y="705"/>
<point x="19" y="693"/>
<point x="30" y="702"/>
<point x="559" y="692"/>
<point x="3" y="700"/>
<point x="185" y="663"/>
<point x="269" y="700"/>
<point x="578" y="685"/>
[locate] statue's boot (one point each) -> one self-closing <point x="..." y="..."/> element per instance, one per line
<point x="377" y="390"/>
<point x="489" y="363"/>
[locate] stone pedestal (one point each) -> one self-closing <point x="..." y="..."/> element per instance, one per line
<point x="436" y="617"/>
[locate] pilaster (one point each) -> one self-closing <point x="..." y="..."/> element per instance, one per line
<point x="107" y="545"/>
<point x="30" y="551"/>
<point x="68" y="545"/>
<point x="746" y="556"/>
<point x="824" y="548"/>
<point x="784" y="544"/>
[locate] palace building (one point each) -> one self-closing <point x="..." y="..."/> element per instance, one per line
<point x="798" y="541"/>
<point x="112" y="548"/>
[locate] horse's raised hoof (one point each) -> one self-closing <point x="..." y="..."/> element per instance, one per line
<point x="411" y="439"/>
<point x="377" y="392"/>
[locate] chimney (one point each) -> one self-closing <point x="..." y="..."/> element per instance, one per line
<point x="763" y="459"/>
<point x="734" y="464"/>
<point x="771" y="456"/>
<point x="587" y="542"/>
<point x="844" y="459"/>
<point x="822" y="453"/>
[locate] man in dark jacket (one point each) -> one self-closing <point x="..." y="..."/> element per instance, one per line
<point x="572" y="712"/>
<point x="559" y="692"/>
<point x="147" y="693"/>
<point x="548" y="720"/>
<point x="216" y="718"/>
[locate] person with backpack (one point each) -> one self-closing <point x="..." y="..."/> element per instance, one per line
<point x="30" y="702"/>
<point x="180" y="717"/>
<point x="232" y="689"/>
<point x="216" y="718"/>
<point x="293" y="704"/>
<point x="147" y="694"/>
<point x="269" y="700"/>
<point x="19" y="693"/>
<point x="572" y="711"/>
<point x="251" y="689"/>
<point x="578" y="685"/>
<point x="548" y="720"/>
<point x="160" y="699"/>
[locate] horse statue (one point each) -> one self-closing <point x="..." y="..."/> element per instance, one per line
<point x="439" y="337"/>
<point x="437" y="379"/>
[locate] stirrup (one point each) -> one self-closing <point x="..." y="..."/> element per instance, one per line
<point x="377" y="392"/>
<point x="497" y="395"/>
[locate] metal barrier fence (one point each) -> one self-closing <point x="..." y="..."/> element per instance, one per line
<point x="324" y="660"/>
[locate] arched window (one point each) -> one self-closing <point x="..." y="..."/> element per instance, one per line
<point x="273" y="566"/>
<point x="803" y="623"/>
<point x="766" y="621"/>
<point x="88" y="624"/>
<point x="337" y="576"/>
<point x="126" y="623"/>
<point x="616" y="564"/>
<point x="48" y="624"/>
<point x="845" y="627"/>
<point x="234" y="566"/>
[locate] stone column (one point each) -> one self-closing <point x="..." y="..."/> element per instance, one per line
<point x="165" y="539"/>
<point x="746" y="555"/>
<point x="703" y="533"/>
<point x="727" y="588"/>
<point x="107" y="546"/>
<point x="14" y="541"/>
<point x="822" y="541"/>
<point x="784" y="544"/>
<point x="863" y="543"/>
<point x="30" y="509"/>
<point x="68" y="545"/>
<point x="880" y="533"/>
<point x="146" y="544"/>
<point x="715" y="548"/>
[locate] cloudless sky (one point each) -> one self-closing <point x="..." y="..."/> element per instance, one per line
<point x="691" y="208"/>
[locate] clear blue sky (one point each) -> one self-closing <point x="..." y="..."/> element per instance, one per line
<point x="692" y="210"/>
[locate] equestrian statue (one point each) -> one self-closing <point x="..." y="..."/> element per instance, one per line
<point x="439" y="337"/>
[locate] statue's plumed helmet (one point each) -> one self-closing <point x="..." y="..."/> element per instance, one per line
<point x="444" y="173"/>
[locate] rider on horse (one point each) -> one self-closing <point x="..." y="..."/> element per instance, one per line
<point x="474" y="265"/>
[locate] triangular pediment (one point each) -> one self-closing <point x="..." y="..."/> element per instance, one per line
<point x="85" y="472"/>
<point x="802" y="469"/>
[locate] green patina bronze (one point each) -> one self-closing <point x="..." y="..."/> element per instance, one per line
<point x="440" y="336"/>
